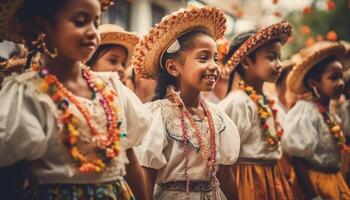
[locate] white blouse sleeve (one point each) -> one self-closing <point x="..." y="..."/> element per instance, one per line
<point x="300" y="135"/>
<point x="25" y="124"/>
<point x="237" y="109"/>
<point x="155" y="141"/>
<point x="137" y="117"/>
<point x="229" y="142"/>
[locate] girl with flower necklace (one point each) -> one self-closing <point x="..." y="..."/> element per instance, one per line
<point x="191" y="144"/>
<point x="72" y="126"/>
<point x="255" y="58"/>
<point x="313" y="136"/>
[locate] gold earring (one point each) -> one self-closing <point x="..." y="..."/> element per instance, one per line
<point x="40" y="44"/>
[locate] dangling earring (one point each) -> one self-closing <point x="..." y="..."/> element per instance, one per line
<point x="40" y="44"/>
<point x="316" y="92"/>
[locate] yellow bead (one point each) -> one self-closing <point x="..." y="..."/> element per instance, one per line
<point x="99" y="84"/>
<point x="336" y="129"/>
<point x="44" y="87"/>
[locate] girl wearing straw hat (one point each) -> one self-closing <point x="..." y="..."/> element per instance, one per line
<point x="254" y="57"/>
<point x="191" y="144"/>
<point x="72" y="126"/>
<point x="313" y="136"/>
<point x="115" y="50"/>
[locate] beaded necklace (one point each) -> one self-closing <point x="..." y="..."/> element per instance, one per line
<point x="265" y="106"/>
<point x="334" y="127"/>
<point x="211" y="159"/>
<point x="108" y="147"/>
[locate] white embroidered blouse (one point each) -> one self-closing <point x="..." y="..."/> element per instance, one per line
<point x="244" y="113"/>
<point x="308" y="136"/>
<point x="31" y="130"/>
<point x="162" y="147"/>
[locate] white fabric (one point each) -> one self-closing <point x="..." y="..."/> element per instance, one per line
<point x="344" y="113"/>
<point x="281" y="114"/>
<point x="30" y="130"/>
<point x="162" y="147"/>
<point x="244" y="113"/>
<point x="308" y="136"/>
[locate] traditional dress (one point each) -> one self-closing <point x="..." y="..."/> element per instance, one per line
<point x="31" y="129"/>
<point x="162" y="149"/>
<point x="257" y="173"/>
<point x="307" y="136"/>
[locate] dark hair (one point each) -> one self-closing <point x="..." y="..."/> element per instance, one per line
<point x="165" y="79"/>
<point x="235" y="44"/>
<point x="102" y="50"/>
<point x="27" y="16"/>
<point x="283" y="75"/>
<point x="317" y="70"/>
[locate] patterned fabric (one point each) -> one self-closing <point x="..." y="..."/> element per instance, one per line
<point x="118" y="190"/>
<point x="181" y="186"/>
<point x="174" y="130"/>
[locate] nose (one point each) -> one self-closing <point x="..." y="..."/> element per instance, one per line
<point x="279" y="65"/>
<point x="341" y="83"/>
<point x="92" y="33"/>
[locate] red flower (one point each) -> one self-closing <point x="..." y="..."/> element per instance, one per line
<point x="274" y="1"/>
<point x="265" y="126"/>
<point x="330" y="5"/>
<point x="307" y="10"/>
<point x="306" y="30"/>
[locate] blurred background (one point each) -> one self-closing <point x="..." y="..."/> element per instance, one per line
<point x="313" y="20"/>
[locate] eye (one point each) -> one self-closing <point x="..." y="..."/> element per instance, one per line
<point x="271" y="57"/>
<point x="216" y="59"/>
<point x="203" y="58"/>
<point x="80" y="21"/>
<point x="97" y="23"/>
<point x="113" y="61"/>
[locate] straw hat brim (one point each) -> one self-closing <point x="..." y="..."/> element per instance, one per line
<point x="281" y="31"/>
<point x="10" y="29"/>
<point x="125" y="39"/>
<point x="309" y="57"/>
<point x="147" y="53"/>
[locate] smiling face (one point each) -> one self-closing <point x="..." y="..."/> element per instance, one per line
<point x="198" y="66"/>
<point x="74" y="32"/>
<point x="267" y="63"/>
<point x="114" y="59"/>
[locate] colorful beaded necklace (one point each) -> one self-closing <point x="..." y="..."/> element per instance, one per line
<point x="265" y="107"/>
<point x="334" y="127"/>
<point x="108" y="147"/>
<point x="211" y="159"/>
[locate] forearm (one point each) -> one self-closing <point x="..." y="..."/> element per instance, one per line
<point x="303" y="177"/>
<point x="150" y="177"/>
<point x="227" y="182"/>
<point x="134" y="176"/>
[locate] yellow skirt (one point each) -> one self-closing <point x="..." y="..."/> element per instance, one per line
<point x="261" y="182"/>
<point x="329" y="186"/>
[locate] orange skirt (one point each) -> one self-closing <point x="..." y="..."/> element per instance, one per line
<point x="329" y="186"/>
<point x="261" y="182"/>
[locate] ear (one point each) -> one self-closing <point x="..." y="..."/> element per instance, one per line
<point x="312" y="83"/>
<point x="246" y="62"/>
<point x="171" y="67"/>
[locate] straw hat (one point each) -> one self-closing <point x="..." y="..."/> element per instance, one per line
<point x="10" y="29"/>
<point x="281" y="31"/>
<point x="113" y="34"/>
<point x="148" y="53"/>
<point x="309" y="57"/>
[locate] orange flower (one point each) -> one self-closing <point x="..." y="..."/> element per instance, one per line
<point x="274" y="1"/>
<point x="310" y="41"/>
<point x="277" y="14"/>
<point x="305" y="30"/>
<point x="307" y="10"/>
<point x="332" y="36"/>
<point x="330" y="5"/>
